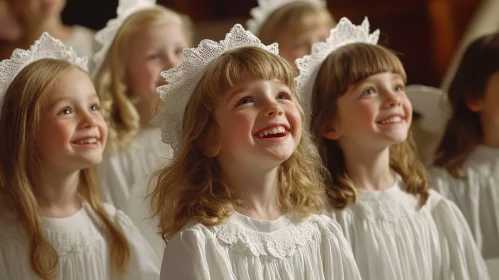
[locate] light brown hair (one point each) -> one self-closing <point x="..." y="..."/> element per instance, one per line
<point x="464" y="128"/>
<point x="343" y="68"/>
<point x="110" y="81"/>
<point x="20" y="158"/>
<point x="191" y="187"/>
<point x="294" y="18"/>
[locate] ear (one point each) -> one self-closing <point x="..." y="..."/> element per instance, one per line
<point x="331" y="132"/>
<point x="475" y="104"/>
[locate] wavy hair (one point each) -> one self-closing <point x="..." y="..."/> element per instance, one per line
<point x="191" y="187"/>
<point x="344" y="67"/>
<point x="20" y="159"/>
<point x="118" y="103"/>
<point x="464" y="128"/>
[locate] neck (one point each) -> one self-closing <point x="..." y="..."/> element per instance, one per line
<point x="258" y="190"/>
<point x="58" y="193"/>
<point x="369" y="170"/>
<point x="490" y="133"/>
<point x="53" y="25"/>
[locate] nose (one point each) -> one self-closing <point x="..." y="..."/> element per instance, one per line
<point x="88" y="120"/>
<point x="392" y="99"/>
<point x="273" y="110"/>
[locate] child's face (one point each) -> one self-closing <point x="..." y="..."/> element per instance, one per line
<point x="299" y="45"/>
<point x="259" y="125"/>
<point x="37" y="10"/>
<point x="72" y="130"/>
<point x="488" y="107"/>
<point x="373" y="114"/>
<point x="153" y="50"/>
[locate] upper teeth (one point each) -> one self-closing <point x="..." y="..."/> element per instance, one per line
<point x="395" y="119"/>
<point x="275" y="130"/>
<point x="88" y="141"/>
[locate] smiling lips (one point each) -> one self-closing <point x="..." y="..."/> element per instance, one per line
<point x="86" y="141"/>
<point x="273" y="132"/>
<point x="392" y="120"/>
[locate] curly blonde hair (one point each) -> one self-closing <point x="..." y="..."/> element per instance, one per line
<point x="191" y="187"/>
<point x="20" y="159"/>
<point x="342" y="68"/>
<point x="118" y="106"/>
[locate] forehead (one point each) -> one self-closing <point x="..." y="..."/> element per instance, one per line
<point x="73" y="84"/>
<point x="157" y="34"/>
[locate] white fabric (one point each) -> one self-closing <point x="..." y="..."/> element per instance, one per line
<point x="245" y="248"/>
<point x="139" y="211"/>
<point x="82" y="40"/>
<point x="392" y="238"/>
<point x="82" y="244"/>
<point x="120" y="171"/>
<point x="477" y="196"/>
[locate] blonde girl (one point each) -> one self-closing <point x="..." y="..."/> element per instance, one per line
<point x="52" y="223"/>
<point x="466" y="166"/>
<point x="360" y="117"/>
<point x="135" y="47"/>
<point x="242" y="196"/>
<point x="294" y="24"/>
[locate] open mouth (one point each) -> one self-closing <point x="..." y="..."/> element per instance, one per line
<point x="391" y="120"/>
<point x="86" y="141"/>
<point x="273" y="132"/>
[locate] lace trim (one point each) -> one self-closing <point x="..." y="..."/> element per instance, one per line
<point x="278" y="244"/>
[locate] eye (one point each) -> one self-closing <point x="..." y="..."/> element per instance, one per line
<point x="284" y="95"/>
<point x="244" y="100"/>
<point x="94" y="107"/>
<point x="65" y="111"/>
<point x="153" y="56"/>
<point x="178" y="51"/>
<point x="368" y="91"/>
<point x="399" y="88"/>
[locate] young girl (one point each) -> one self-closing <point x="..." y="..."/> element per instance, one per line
<point x="36" y="16"/>
<point x="242" y="197"/>
<point x="52" y="224"/>
<point x="398" y="229"/>
<point x="467" y="159"/>
<point x="143" y="40"/>
<point x="294" y="24"/>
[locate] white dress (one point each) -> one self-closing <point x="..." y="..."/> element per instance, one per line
<point x="120" y="171"/>
<point x="244" y="248"/>
<point x="82" y="40"/>
<point x="82" y="246"/>
<point x="477" y="196"/>
<point x="392" y="238"/>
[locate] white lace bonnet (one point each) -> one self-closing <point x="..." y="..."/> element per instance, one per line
<point x="105" y="36"/>
<point x="182" y="79"/>
<point x="267" y="7"/>
<point x="343" y="34"/>
<point x="45" y="47"/>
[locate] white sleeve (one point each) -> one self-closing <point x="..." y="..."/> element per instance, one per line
<point x="191" y="255"/>
<point x="461" y="258"/>
<point x="144" y="263"/>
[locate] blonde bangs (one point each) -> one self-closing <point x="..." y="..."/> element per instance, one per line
<point x="248" y="62"/>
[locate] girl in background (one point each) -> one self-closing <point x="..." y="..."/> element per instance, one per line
<point x="142" y="41"/>
<point x="294" y="24"/>
<point x="398" y="229"/>
<point x="52" y="224"/>
<point x="466" y="165"/>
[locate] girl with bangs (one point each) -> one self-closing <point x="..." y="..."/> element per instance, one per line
<point x="52" y="222"/>
<point x="360" y="117"/>
<point x="466" y="166"/>
<point x="294" y="24"/>
<point x="242" y="196"/>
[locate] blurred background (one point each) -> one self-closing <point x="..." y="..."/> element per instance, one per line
<point x="426" y="33"/>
